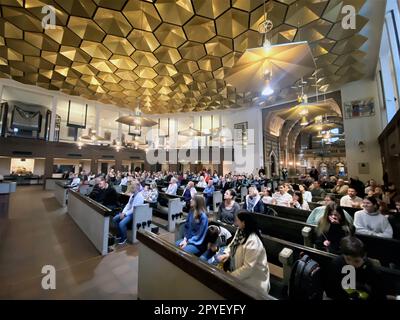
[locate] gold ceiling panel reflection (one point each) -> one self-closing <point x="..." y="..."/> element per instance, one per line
<point x="167" y="55"/>
<point x="314" y="31"/>
<point x="249" y="39"/>
<point x="334" y="8"/>
<point x="165" y="69"/>
<point x="276" y="14"/>
<point x="199" y="29"/>
<point x="219" y="46"/>
<point x="8" y="30"/>
<point x="211" y="8"/>
<point x="142" y="15"/>
<point x="35" y="7"/>
<point x="144" y="58"/>
<point x="170" y="35"/>
<point x="21" y="19"/>
<point x="232" y="23"/>
<point x="283" y="34"/>
<point x="303" y="12"/>
<point x="145" y="72"/>
<point x="41" y="41"/>
<point x="210" y="63"/>
<point x="111" y="4"/>
<point x="82" y="8"/>
<point x="175" y="11"/>
<point x="192" y="50"/>
<point x="350" y="44"/>
<point x="247" y="5"/>
<point x="122" y="62"/>
<point x="103" y="65"/>
<point x="126" y="75"/>
<point x="118" y="45"/>
<point x="95" y="49"/>
<point x="143" y="40"/>
<point x="187" y="66"/>
<point x="112" y="22"/>
<point x="322" y="47"/>
<point x="171" y="54"/>
<point x="86" y="29"/>
<point x="338" y="32"/>
<point x="63" y="36"/>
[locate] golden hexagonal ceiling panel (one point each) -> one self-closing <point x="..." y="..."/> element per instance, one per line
<point x="173" y="55"/>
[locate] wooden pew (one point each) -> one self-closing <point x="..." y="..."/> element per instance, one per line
<point x="284" y="253"/>
<point x="61" y="193"/>
<point x="173" y="213"/>
<point x="385" y="250"/>
<point x="92" y="218"/>
<point x="184" y="276"/>
<point x="289" y="213"/>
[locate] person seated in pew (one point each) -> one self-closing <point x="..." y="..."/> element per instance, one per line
<point x="318" y="212"/>
<point x="282" y="198"/>
<point x="298" y="202"/>
<point x="216" y="239"/>
<point x="202" y="182"/>
<point x="245" y="258"/>
<point x="229" y="207"/>
<point x="152" y="194"/>
<point x="369" y="284"/>
<point x="340" y="188"/>
<point x="252" y="202"/>
<point x="266" y="195"/>
<point x="195" y="228"/>
<point x="370" y="221"/>
<point x="332" y="227"/>
<point x="188" y="194"/>
<point x="124" y="183"/>
<point x="351" y="200"/>
<point x="394" y="219"/>
<point x="208" y="194"/>
<point x="317" y="191"/>
<point x="96" y="192"/>
<point x="172" y="187"/>
<point x="75" y="183"/>
<point x="108" y="195"/>
<point x="124" y="218"/>
<point x="307" y="196"/>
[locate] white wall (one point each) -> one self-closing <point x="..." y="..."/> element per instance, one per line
<point x="5" y="165"/>
<point x="365" y="129"/>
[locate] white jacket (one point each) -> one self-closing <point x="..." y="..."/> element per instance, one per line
<point x="251" y="264"/>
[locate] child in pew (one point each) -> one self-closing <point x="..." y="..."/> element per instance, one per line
<point x="216" y="240"/>
<point x="332" y="227"/>
<point x="368" y="283"/>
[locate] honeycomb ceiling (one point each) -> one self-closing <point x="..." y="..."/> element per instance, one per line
<point x="172" y="55"/>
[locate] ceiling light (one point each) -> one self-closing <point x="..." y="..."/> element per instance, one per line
<point x="267" y="91"/>
<point x="304" y="121"/>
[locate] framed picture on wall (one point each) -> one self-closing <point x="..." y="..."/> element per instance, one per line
<point x="359" y="108"/>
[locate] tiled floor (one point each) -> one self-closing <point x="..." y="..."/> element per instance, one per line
<point x="39" y="232"/>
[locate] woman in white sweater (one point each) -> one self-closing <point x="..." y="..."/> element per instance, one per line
<point x="371" y="222"/>
<point x="246" y="254"/>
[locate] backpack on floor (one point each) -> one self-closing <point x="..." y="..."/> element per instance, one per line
<point x="305" y="280"/>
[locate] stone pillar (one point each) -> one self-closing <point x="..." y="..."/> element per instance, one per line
<point x="54" y="102"/>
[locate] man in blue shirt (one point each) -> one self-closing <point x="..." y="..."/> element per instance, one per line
<point x="126" y="216"/>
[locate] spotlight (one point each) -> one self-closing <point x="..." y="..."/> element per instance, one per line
<point x="267" y="91"/>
